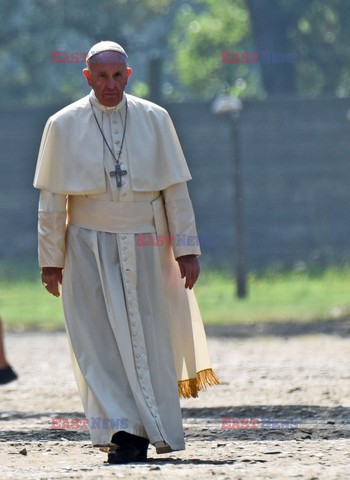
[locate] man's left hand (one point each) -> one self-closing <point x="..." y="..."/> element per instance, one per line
<point x="189" y="268"/>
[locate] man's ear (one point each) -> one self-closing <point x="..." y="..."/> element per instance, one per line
<point x="128" y="73"/>
<point x="87" y="75"/>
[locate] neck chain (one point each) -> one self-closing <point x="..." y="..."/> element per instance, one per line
<point x="118" y="173"/>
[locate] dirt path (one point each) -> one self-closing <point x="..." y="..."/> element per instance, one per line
<point x="279" y="373"/>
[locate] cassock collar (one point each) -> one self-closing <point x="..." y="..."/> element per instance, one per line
<point x="101" y="107"/>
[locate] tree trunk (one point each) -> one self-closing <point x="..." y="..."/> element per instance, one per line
<point x="270" y="29"/>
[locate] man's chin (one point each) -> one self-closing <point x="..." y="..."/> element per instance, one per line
<point x="110" y="100"/>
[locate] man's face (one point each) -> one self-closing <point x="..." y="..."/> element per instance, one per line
<point x="107" y="76"/>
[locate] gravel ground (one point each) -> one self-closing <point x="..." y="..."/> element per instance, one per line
<point x="295" y="372"/>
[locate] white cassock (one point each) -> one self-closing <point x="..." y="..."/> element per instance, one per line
<point x="135" y="333"/>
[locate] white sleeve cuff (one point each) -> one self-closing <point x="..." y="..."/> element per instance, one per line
<point x="181" y="220"/>
<point x="51" y="239"/>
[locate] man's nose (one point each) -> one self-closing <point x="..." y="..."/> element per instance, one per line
<point x="111" y="82"/>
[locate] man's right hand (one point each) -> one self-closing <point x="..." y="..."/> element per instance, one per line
<point x="51" y="277"/>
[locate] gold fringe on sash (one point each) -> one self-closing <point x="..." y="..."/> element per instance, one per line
<point x="191" y="387"/>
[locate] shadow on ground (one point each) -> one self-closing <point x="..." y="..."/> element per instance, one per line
<point x="277" y="422"/>
<point x="339" y="328"/>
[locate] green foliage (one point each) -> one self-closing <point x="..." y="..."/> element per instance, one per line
<point x="198" y="40"/>
<point x="189" y="35"/>
<point x="32" y="29"/>
<point x="322" y="38"/>
<point x="317" y="30"/>
<point x="140" y="89"/>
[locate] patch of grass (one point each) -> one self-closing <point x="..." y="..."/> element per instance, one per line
<point x="24" y="303"/>
<point x="276" y="296"/>
<point x="295" y="295"/>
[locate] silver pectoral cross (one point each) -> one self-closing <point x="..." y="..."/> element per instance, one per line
<point x="118" y="174"/>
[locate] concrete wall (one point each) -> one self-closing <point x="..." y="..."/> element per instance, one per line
<point x="296" y="173"/>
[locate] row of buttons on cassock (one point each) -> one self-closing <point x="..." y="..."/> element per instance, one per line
<point x="133" y="324"/>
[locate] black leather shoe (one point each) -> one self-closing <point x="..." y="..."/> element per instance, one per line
<point x="130" y="448"/>
<point x="125" y="454"/>
<point x="7" y="375"/>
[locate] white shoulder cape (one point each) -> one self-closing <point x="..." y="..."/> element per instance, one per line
<point x="70" y="159"/>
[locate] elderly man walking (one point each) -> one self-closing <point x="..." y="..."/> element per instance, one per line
<point x="117" y="229"/>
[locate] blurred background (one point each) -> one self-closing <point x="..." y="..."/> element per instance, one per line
<point x="271" y="175"/>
